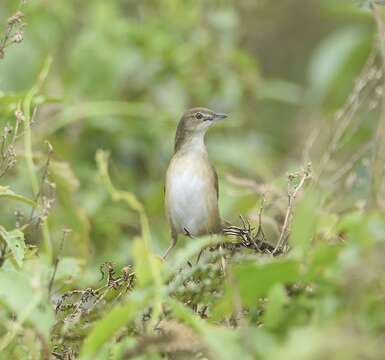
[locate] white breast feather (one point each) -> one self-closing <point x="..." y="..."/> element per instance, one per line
<point x="186" y="193"/>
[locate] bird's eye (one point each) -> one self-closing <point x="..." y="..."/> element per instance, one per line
<point x="199" y="116"/>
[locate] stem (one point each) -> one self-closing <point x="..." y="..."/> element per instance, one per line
<point x="377" y="175"/>
<point x="28" y="148"/>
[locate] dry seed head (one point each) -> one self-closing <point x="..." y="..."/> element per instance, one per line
<point x="6" y="131"/>
<point x="19" y="115"/>
<point x="50" y="147"/>
<point x="11" y="151"/>
<point x="51" y="184"/>
<point x="18" y="37"/>
<point x="15" y="18"/>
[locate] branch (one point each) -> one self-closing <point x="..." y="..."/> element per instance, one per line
<point x="282" y="241"/>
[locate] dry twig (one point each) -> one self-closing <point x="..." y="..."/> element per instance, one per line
<point x="282" y="241"/>
<point x="56" y="262"/>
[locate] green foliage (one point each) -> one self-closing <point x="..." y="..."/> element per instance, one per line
<point x="255" y="280"/>
<point x="81" y="227"/>
<point x="14" y="240"/>
<point x="26" y="298"/>
<point x="105" y="328"/>
<point x="7" y="193"/>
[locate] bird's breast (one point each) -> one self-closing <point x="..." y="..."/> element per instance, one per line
<point x="191" y="200"/>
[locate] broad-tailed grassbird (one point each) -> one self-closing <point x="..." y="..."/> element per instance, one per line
<point x="191" y="190"/>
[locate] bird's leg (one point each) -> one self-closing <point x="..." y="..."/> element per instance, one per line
<point x="200" y="254"/>
<point x="187" y="233"/>
<point x="174" y="238"/>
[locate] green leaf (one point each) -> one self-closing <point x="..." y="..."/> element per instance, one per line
<point x="143" y="263"/>
<point x="193" y="248"/>
<point x="331" y="59"/>
<point x="280" y="90"/>
<point x="76" y="218"/>
<point x="7" y="193"/>
<point x="304" y="222"/>
<point x="119" y="195"/>
<point x="69" y="267"/>
<point x="320" y="259"/>
<point x="15" y="241"/>
<point x="255" y="280"/>
<point x="275" y="307"/>
<point x="21" y="293"/>
<point x="225" y="342"/>
<point x="353" y="226"/>
<point x="108" y="326"/>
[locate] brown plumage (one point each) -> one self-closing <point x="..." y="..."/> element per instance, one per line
<point x="191" y="191"/>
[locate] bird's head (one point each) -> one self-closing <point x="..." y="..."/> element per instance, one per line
<point x="200" y="119"/>
<point x="194" y="124"/>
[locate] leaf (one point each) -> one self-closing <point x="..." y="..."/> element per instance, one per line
<point x="320" y="259"/>
<point x="145" y="264"/>
<point x="15" y="241"/>
<point x="275" y="307"/>
<point x="332" y="57"/>
<point x="19" y="291"/>
<point x="96" y="109"/>
<point x="69" y="267"/>
<point x="226" y="343"/>
<point x="148" y="269"/>
<point x="111" y="323"/>
<point x="118" y="195"/>
<point x="7" y="193"/>
<point x="304" y="222"/>
<point x="255" y="280"/>
<point x="75" y="217"/>
<point x="193" y="248"/>
<point x="280" y="90"/>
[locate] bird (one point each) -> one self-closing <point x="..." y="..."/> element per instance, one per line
<point x="191" y="184"/>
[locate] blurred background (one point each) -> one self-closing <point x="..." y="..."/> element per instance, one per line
<point x="123" y="71"/>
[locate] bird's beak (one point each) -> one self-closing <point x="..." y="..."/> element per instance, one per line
<point x="220" y="116"/>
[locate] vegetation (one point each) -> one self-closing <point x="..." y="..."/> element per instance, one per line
<point x="90" y="95"/>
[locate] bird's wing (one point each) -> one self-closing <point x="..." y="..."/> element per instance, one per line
<point x="215" y="179"/>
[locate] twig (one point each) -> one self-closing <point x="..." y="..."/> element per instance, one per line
<point x="309" y="144"/>
<point x="56" y="262"/>
<point x="281" y="244"/>
<point x="124" y="282"/>
<point x="261" y="189"/>
<point x="344" y="117"/>
<point x="43" y="179"/>
<point x="260" y="234"/>
<point x="343" y="170"/>
<point x="29" y="116"/>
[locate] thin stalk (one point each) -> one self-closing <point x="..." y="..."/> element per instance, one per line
<point x="27" y="107"/>
<point x="378" y="159"/>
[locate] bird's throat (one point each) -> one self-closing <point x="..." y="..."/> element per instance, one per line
<point x="191" y="143"/>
